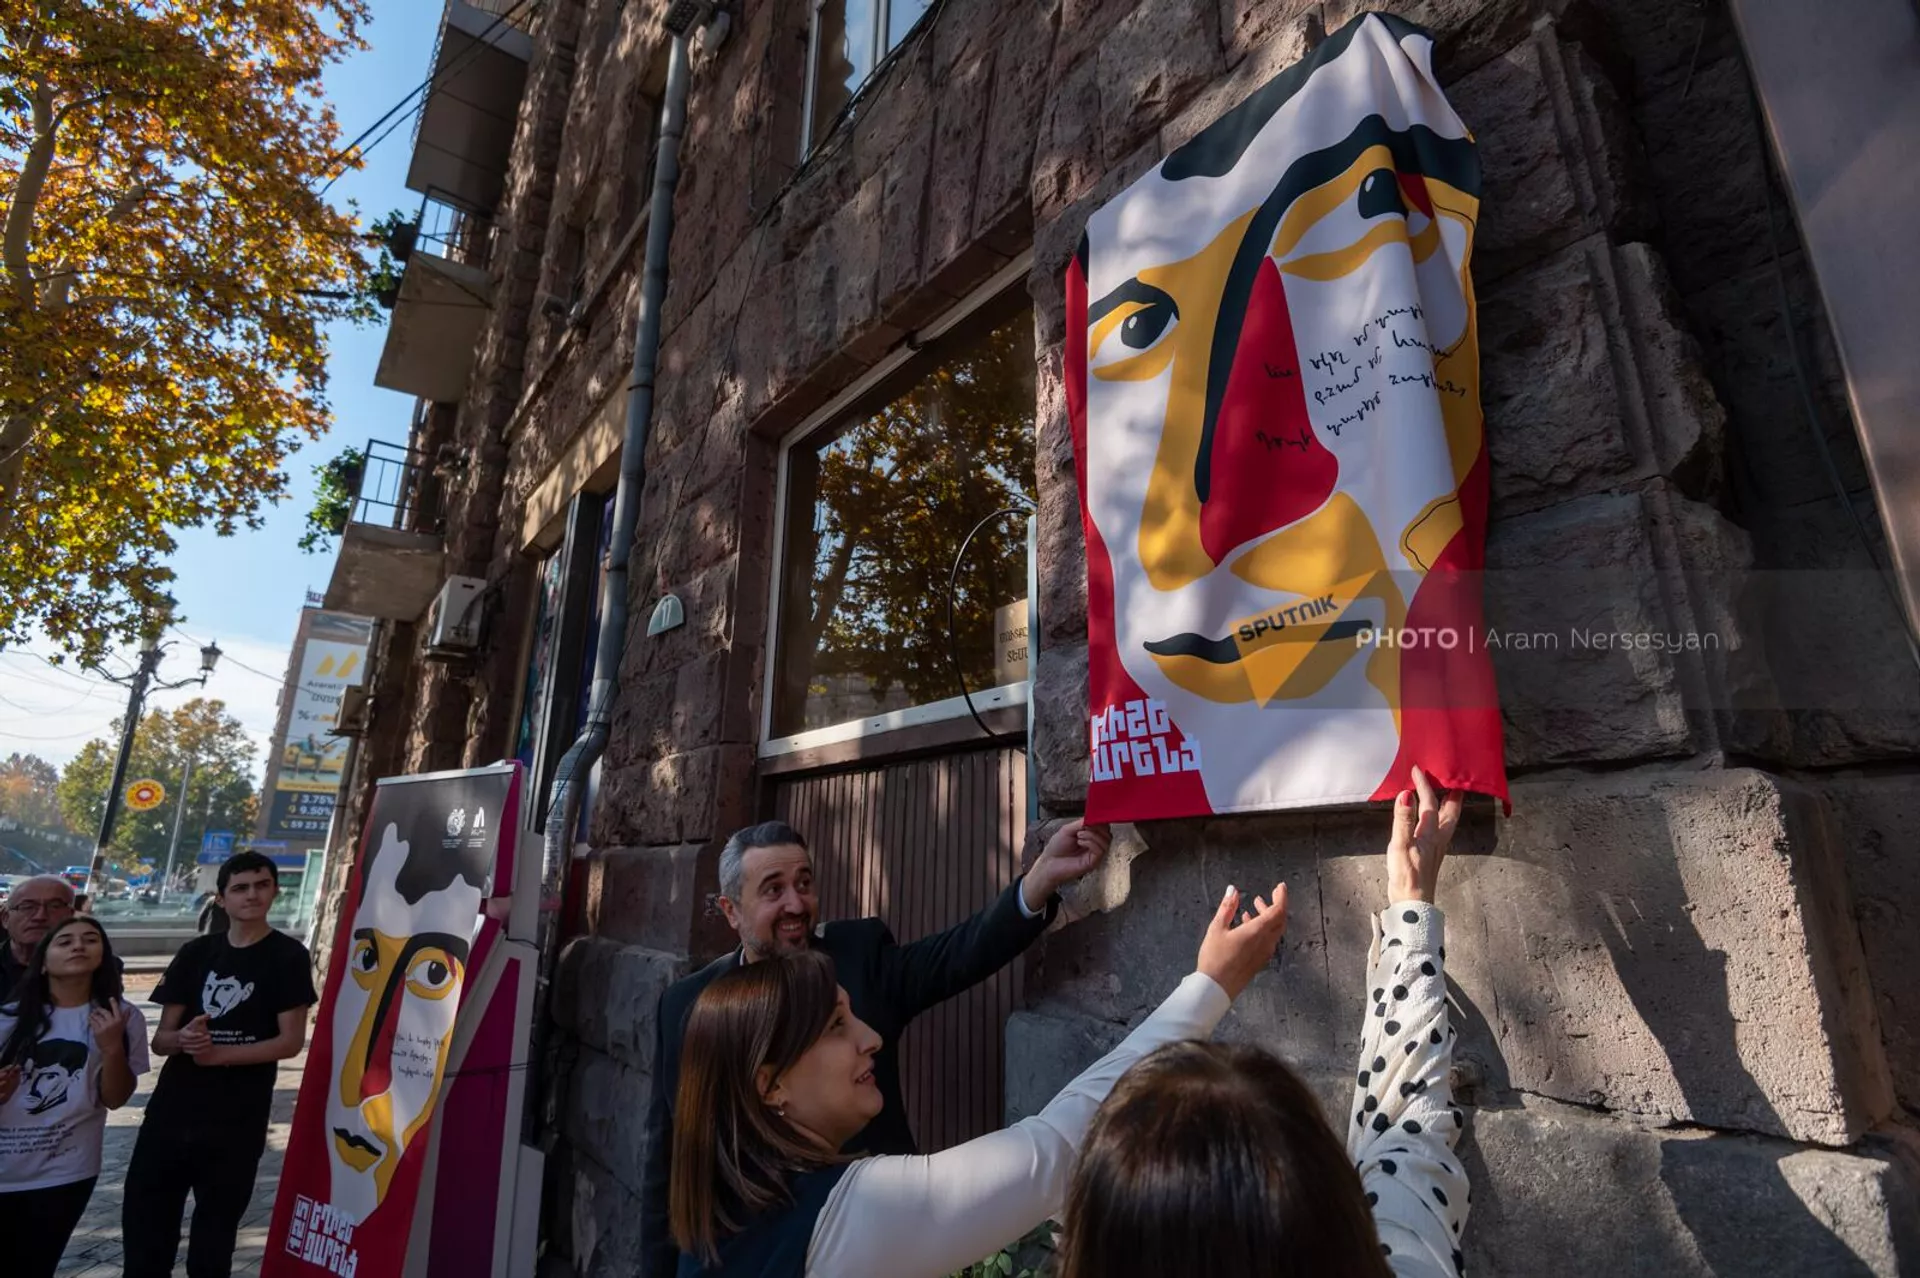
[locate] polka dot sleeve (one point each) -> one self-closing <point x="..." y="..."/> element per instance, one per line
<point x="1403" y="1122"/>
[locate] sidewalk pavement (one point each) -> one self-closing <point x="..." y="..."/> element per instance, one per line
<point x="94" y="1250"/>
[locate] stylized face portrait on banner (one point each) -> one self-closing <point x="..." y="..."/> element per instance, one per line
<point x="399" y="975"/>
<point x="392" y="1022"/>
<point x="1273" y="378"/>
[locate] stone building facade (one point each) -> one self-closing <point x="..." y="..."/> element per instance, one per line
<point x="1687" y="965"/>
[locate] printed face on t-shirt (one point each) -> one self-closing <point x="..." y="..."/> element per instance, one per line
<point x="54" y="1069"/>
<point x="221" y="994"/>
<point x="393" y="1022"/>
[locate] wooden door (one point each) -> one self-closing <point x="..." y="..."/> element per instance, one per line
<point x="923" y="843"/>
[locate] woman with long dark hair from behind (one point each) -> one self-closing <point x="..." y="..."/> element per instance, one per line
<point x="1222" y="1152"/>
<point x="776" y="1076"/>
<point x="71" y="1048"/>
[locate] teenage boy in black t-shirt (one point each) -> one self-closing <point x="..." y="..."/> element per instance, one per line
<point x="233" y="1005"/>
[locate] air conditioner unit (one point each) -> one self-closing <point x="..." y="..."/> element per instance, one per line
<point x="356" y="712"/>
<point x="453" y="619"/>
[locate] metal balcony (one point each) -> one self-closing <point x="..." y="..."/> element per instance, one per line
<point x="466" y="127"/>
<point x="391" y="561"/>
<point x="440" y="308"/>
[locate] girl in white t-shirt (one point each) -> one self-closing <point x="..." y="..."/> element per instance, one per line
<point x="70" y="1050"/>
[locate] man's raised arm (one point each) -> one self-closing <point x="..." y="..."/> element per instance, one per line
<point x="937" y="967"/>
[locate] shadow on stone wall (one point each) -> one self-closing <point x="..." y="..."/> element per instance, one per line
<point x="1695" y="1026"/>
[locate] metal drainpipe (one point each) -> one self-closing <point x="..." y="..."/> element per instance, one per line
<point x="586" y="749"/>
<point x="563" y="814"/>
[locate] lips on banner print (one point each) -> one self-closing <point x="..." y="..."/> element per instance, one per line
<point x="1274" y="383"/>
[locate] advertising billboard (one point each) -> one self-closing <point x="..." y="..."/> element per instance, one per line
<point x="308" y="765"/>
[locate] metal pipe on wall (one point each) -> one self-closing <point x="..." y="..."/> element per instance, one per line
<point x="563" y="812"/>
<point x="587" y="747"/>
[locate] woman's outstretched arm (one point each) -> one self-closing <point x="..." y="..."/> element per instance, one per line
<point x="1403" y="1123"/>
<point x="930" y="1215"/>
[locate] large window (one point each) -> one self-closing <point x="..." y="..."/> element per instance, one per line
<point x="560" y="651"/>
<point x="877" y="504"/>
<point x="849" y="39"/>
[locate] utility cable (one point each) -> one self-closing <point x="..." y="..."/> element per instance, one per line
<point x="57" y="669"/>
<point x="228" y="658"/>
<point x="953" y="587"/>
<point x="424" y="87"/>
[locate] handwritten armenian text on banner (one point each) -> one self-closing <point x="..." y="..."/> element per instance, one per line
<point x="1273" y="378"/>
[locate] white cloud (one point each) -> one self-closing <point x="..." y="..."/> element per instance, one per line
<point x="54" y="712"/>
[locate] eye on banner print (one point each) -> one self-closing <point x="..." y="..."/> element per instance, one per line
<point x="1274" y="383"/>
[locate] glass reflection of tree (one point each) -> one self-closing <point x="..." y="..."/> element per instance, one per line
<point x="896" y="496"/>
<point x="844" y="50"/>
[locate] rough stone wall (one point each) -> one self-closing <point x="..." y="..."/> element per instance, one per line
<point x="1663" y="956"/>
<point x="1685" y="966"/>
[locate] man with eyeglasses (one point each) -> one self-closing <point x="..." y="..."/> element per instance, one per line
<point x="34" y="908"/>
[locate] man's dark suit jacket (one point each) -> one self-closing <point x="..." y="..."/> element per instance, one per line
<point x="887" y="984"/>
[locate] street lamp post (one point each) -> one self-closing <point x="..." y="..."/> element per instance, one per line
<point x="179" y="819"/>
<point x="139" y="683"/>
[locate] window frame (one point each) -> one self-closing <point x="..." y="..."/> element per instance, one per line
<point x="880" y="51"/>
<point x="1008" y="277"/>
<point x="564" y="690"/>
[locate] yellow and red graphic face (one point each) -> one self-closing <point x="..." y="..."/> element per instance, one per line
<point x="1281" y="411"/>
<point x="393" y="1019"/>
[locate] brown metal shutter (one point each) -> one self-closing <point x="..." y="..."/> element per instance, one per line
<point x="923" y="843"/>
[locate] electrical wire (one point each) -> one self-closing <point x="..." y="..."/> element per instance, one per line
<point x="953" y="587"/>
<point x="69" y="708"/>
<point x="227" y="658"/>
<point x="20" y="676"/>
<point x="10" y="734"/>
<point x="57" y="669"/>
<point x="421" y="90"/>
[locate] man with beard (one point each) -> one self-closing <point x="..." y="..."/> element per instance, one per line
<point x="767" y="895"/>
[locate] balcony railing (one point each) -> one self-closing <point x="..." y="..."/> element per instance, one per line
<point x="391" y="559"/>
<point x="390" y="489"/>
<point x="465" y="131"/>
<point x="444" y="231"/>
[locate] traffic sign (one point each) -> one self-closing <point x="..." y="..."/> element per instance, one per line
<point x="144" y="796"/>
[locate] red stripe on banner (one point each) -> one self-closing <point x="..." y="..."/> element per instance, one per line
<point x="1268" y="467"/>
<point x="1178" y="794"/>
<point x="1450" y="716"/>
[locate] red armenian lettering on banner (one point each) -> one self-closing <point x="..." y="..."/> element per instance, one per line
<point x="1273" y="379"/>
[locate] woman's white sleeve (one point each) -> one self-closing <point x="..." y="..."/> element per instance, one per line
<point x="1403" y="1123"/>
<point x="909" y="1217"/>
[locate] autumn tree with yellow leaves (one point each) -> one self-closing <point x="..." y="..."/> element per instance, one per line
<point x="167" y="265"/>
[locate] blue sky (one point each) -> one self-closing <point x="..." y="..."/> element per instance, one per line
<point x="246" y="591"/>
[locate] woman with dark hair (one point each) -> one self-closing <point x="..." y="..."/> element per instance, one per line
<point x="776" y="1075"/>
<point x="70" y="1049"/>
<point x="1222" y="1151"/>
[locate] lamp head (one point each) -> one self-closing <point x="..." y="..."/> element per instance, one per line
<point x="209" y="658"/>
<point x="159" y="617"/>
<point x="683" y="16"/>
